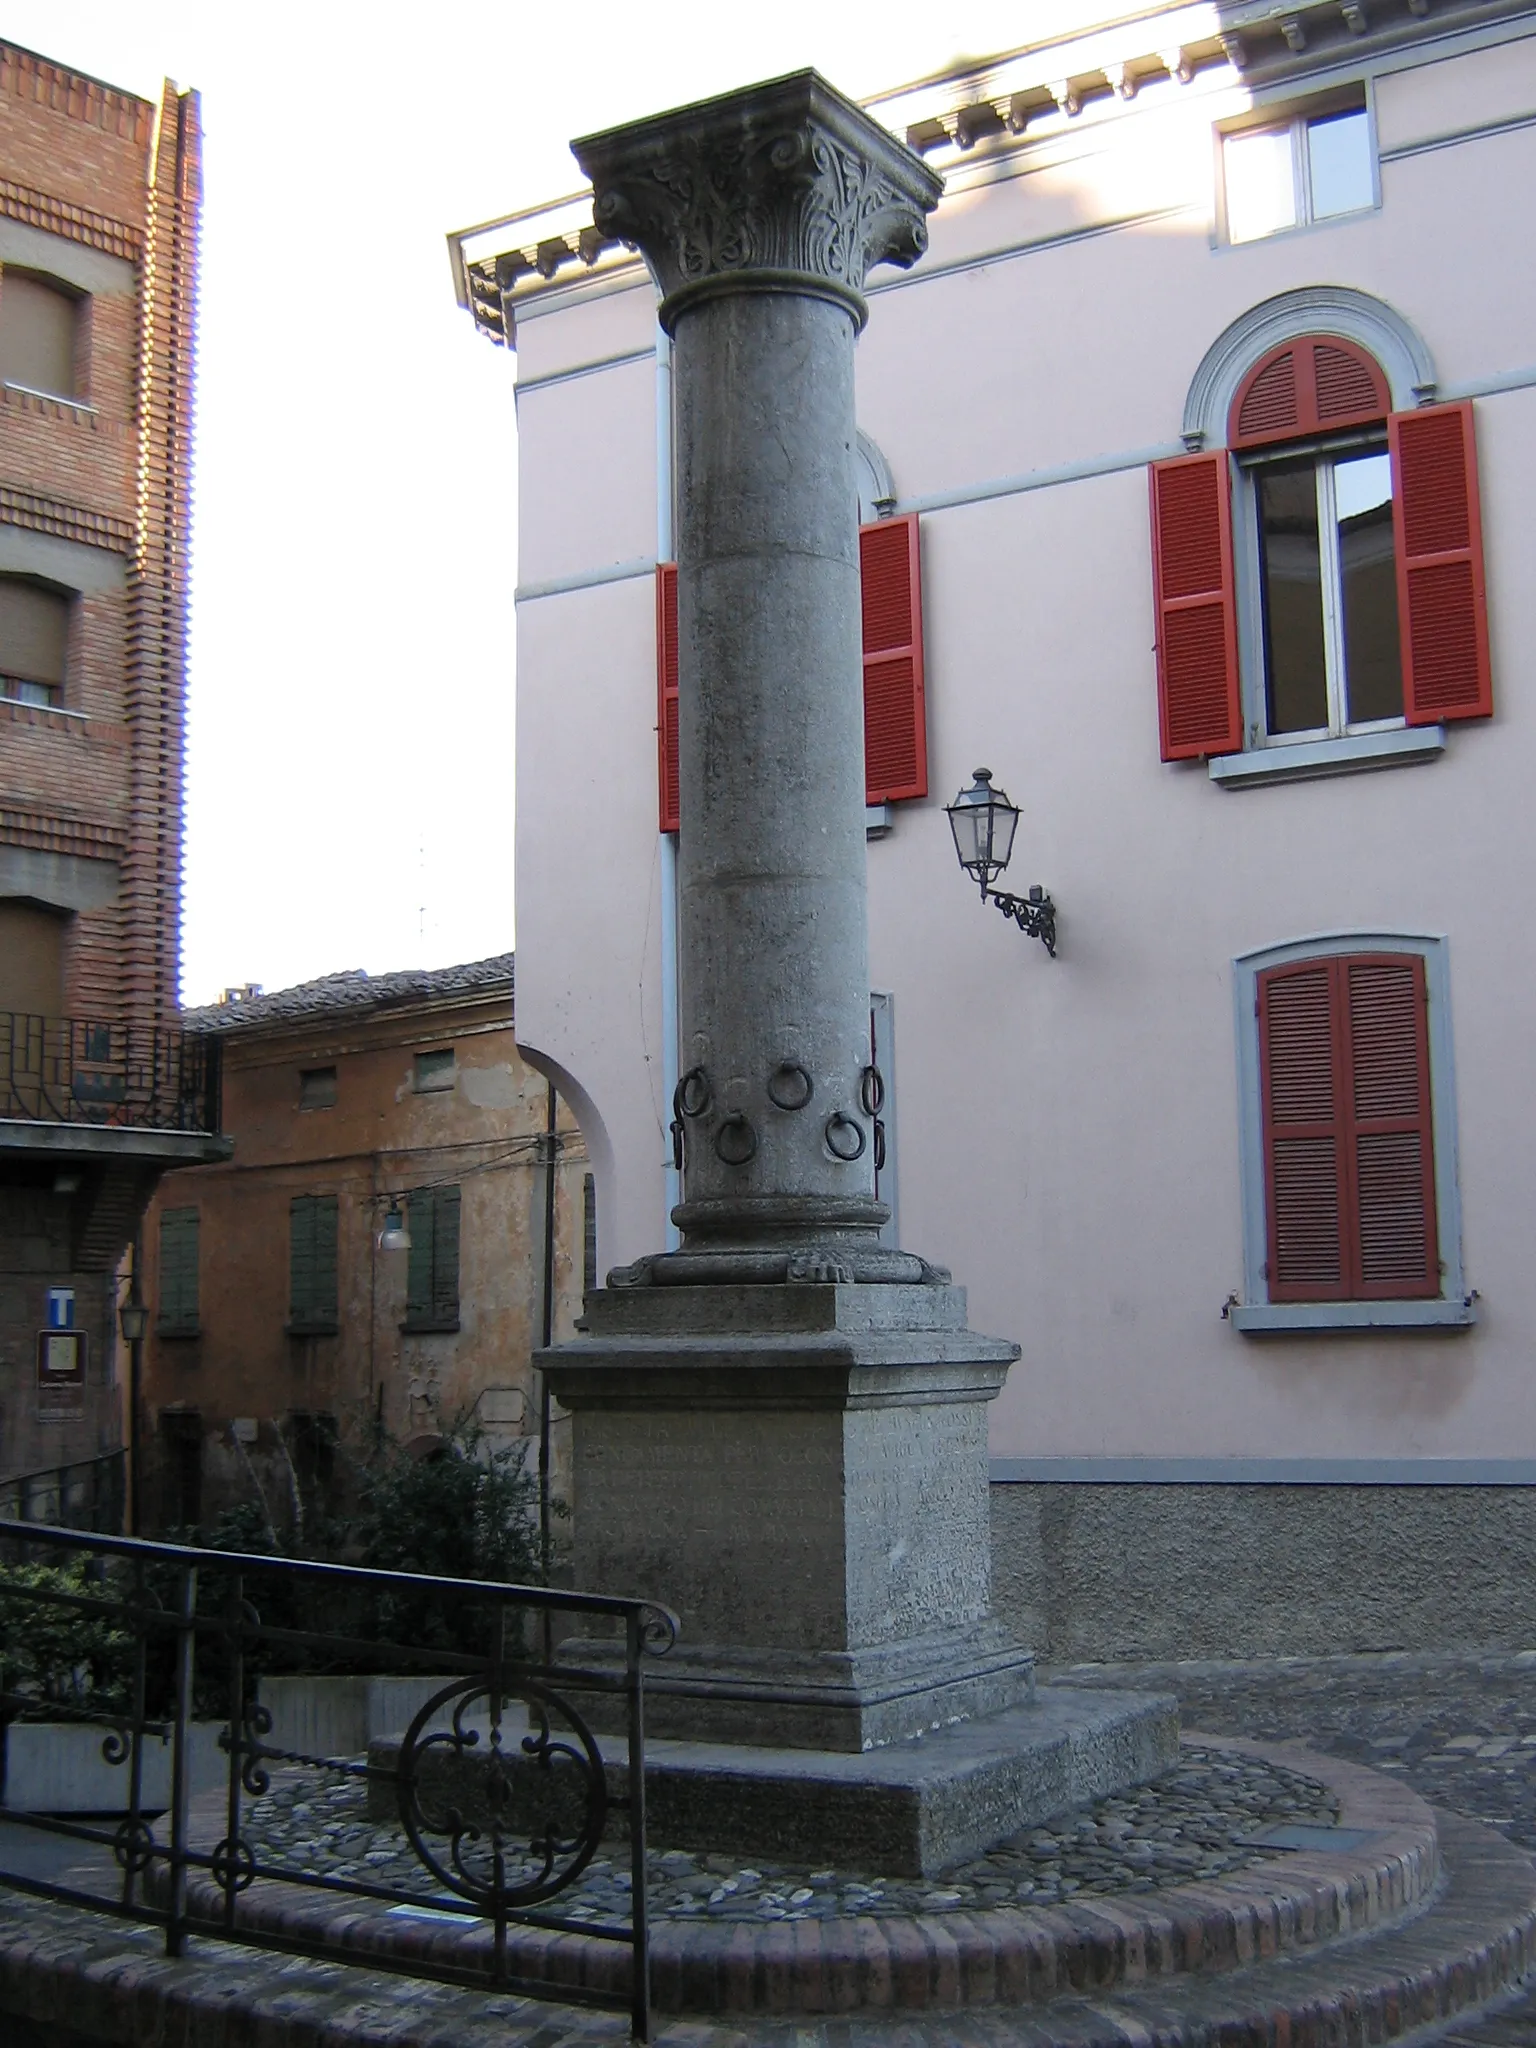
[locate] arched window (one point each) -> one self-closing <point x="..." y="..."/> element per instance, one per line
<point x="37" y="333"/>
<point x="1319" y="580"/>
<point x="34" y="638"/>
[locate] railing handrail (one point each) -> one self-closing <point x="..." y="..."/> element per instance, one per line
<point x="347" y="1574"/>
<point x="547" y="1796"/>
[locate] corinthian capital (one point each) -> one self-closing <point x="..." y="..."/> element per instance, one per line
<point x="783" y="187"/>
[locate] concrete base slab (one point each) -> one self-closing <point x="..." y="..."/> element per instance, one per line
<point x="910" y="1808"/>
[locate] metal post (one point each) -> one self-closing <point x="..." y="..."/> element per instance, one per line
<point x="181" y="1762"/>
<point x="136" y="1733"/>
<point x="640" y="1982"/>
<point x="231" y="1871"/>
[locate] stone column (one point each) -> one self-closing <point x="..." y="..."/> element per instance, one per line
<point x="760" y="215"/>
<point x="780" y="1429"/>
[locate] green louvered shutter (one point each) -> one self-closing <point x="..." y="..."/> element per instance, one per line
<point x="178" y="1273"/>
<point x="312" y="1262"/>
<point x="432" y="1277"/>
<point x="445" y="1257"/>
<point x="418" y="1275"/>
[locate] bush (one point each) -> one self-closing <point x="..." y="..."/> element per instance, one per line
<point x="60" y="1656"/>
<point x="466" y="1512"/>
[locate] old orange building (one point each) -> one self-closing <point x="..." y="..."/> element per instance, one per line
<point x="288" y="1325"/>
<point x="99" y="204"/>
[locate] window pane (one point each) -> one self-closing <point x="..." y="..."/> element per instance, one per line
<point x="1291" y="570"/>
<point x="1368" y="588"/>
<point x="34" y="635"/>
<point x="37" y="335"/>
<point x="1339" y="161"/>
<point x="1261" y="183"/>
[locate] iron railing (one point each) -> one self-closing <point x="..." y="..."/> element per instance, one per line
<point x="87" y="1495"/>
<point x="147" y="1638"/>
<point x="77" y="1071"/>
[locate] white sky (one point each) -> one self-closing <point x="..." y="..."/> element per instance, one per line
<point x="354" y="551"/>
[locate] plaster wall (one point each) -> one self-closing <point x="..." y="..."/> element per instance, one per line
<point x="380" y="1137"/>
<point x="1068" y="1130"/>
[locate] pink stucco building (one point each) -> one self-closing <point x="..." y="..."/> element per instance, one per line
<point x="1211" y="416"/>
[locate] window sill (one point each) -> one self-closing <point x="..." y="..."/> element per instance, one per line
<point x="1310" y="759"/>
<point x="1292" y="1318"/>
<point x="174" y="1332"/>
<point x="429" y="1329"/>
<point x="298" y="1329"/>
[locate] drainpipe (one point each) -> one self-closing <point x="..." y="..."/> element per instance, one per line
<point x="664" y="548"/>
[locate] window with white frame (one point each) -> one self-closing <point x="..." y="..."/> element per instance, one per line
<point x="1320" y="529"/>
<point x="1319" y="581"/>
<point x="1351" y="1212"/>
<point x="1305" y="168"/>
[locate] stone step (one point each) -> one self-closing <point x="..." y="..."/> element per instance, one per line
<point x="71" y="1979"/>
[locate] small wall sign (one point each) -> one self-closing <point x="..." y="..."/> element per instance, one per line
<point x="60" y="1374"/>
<point x="61" y="1308"/>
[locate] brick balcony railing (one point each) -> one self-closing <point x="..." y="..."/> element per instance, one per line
<point x="70" y="1070"/>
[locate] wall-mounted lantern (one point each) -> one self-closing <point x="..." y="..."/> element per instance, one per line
<point x="133" y="1318"/>
<point x="983" y="821"/>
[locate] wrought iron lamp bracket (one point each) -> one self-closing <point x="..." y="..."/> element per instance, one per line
<point x="1034" y="914"/>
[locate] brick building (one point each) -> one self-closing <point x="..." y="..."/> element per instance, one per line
<point x="99" y="200"/>
<point x="283" y="1335"/>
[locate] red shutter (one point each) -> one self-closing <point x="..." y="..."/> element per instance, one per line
<point x="1348" y="1140"/>
<point x="1198" y="700"/>
<point x="1306" y="1196"/>
<point x="1442" y="605"/>
<point x="1308" y="386"/>
<point x="895" y="727"/>
<point x="1391" y="1159"/>
<point x="666" y="694"/>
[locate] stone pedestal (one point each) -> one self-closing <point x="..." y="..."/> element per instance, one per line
<point x="779" y="1429"/>
<point x="801" y="1473"/>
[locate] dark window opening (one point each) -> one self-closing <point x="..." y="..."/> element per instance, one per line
<point x="317" y="1088"/>
<point x="181" y="1470"/>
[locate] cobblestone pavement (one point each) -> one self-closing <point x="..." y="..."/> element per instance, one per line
<point x="1460" y="1729"/>
<point x="1207" y="1817"/>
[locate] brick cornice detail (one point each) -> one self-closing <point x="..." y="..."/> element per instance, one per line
<point x="65" y="522"/>
<point x="30" y="77"/>
<point x="74" y="223"/>
<point x="45" y="833"/>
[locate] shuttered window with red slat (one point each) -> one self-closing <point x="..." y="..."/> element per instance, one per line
<point x="1348" y="1143"/>
<point x="895" y="727"/>
<point x="1198" y="698"/>
<point x="666" y="695"/>
<point x="895" y="722"/>
<point x="1316" y="384"/>
<point x="1441" y="599"/>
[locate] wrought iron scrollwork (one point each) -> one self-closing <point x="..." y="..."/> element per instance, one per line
<point x="845" y="1137"/>
<point x="528" y="1821"/>
<point x="233" y="1864"/>
<point x="658" y="1631"/>
<point x="134" y="1845"/>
